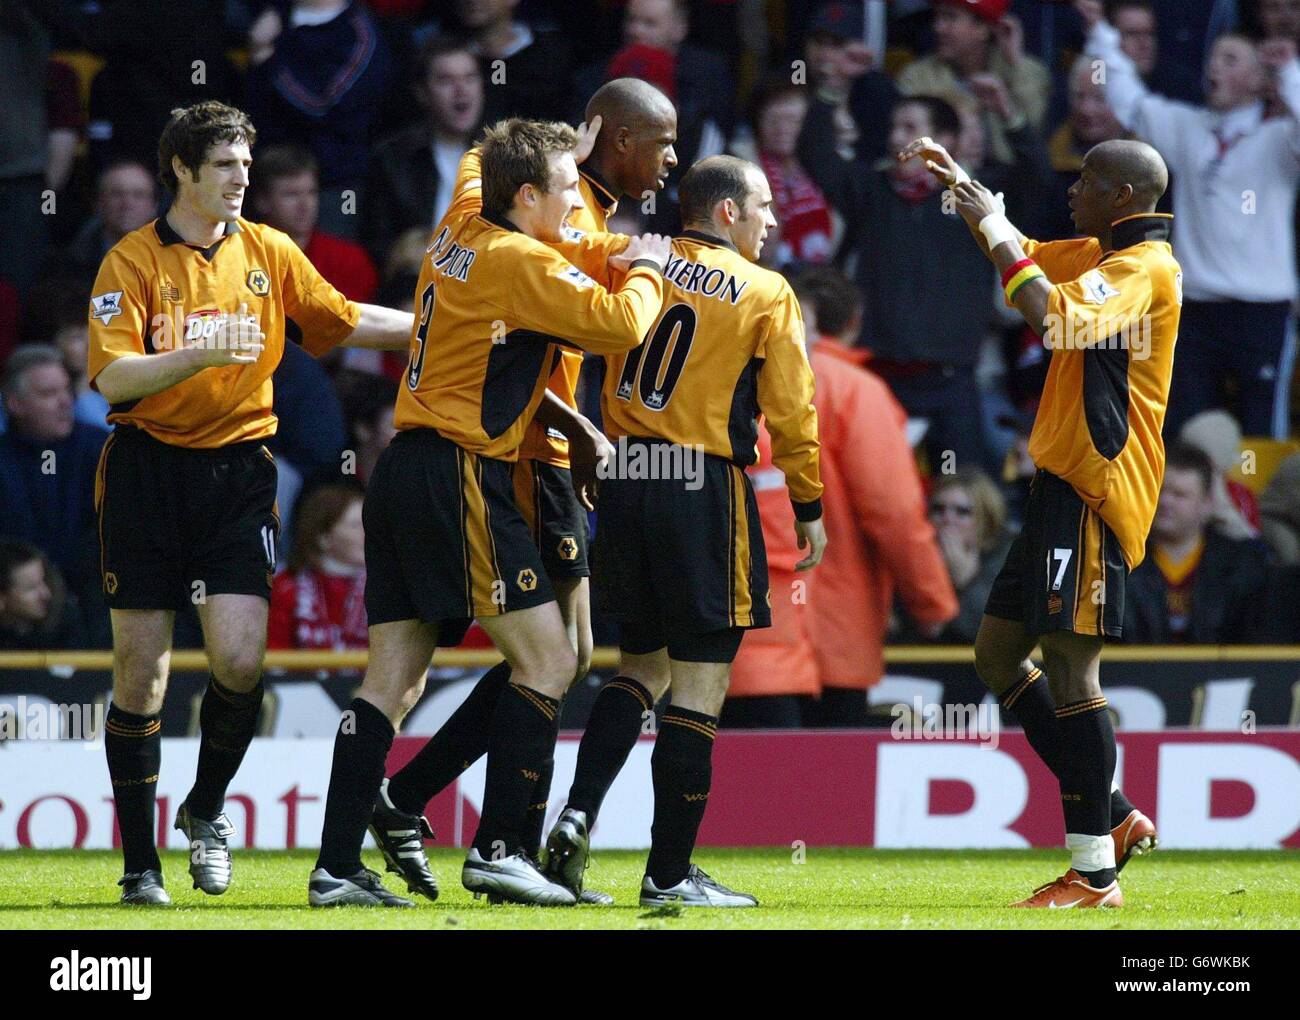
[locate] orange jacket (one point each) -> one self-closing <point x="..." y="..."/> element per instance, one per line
<point x="879" y="538"/>
<point x="777" y="659"/>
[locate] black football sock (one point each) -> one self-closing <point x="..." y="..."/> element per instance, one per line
<point x="133" y="746"/>
<point x="1030" y="701"/>
<point x="682" y="767"/>
<point x="615" y="724"/>
<point x="521" y="742"/>
<point x="535" y="820"/>
<point x="457" y="745"/>
<point x="227" y="722"/>
<point x="360" y="751"/>
<point x="1120" y="807"/>
<point x="1087" y="759"/>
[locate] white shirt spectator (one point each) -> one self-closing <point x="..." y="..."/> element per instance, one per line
<point x="1235" y="176"/>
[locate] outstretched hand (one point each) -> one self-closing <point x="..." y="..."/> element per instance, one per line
<point x="937" y="159"/>
<point x="974" y="202"/>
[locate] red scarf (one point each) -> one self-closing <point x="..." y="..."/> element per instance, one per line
<point x="329" y="611"/>
<point x="802" y="211"/>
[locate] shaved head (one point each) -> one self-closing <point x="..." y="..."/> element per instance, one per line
<point x="638" y="126"/>
<point x="1133" y="163"/>
<point x="629" y="103"/>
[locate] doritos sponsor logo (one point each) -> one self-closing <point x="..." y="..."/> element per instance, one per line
<point x="105" y="307"/>
<point x="202" y="325"/>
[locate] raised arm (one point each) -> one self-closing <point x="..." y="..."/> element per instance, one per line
<point x="1160" y="121"/>
<point x="1279" y="56"/>
<point x="940" y="163"/>
<point x="1005" y="247"/>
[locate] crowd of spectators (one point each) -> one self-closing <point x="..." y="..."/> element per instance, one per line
<point x="364" y="108"/>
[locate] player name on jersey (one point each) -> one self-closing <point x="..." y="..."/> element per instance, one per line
<point x="694" y="278"/>
<point x="455" y="262"/>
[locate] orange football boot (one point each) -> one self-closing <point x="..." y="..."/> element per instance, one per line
<point x="1136" y="834"/>
<point x="1072" y="890"/>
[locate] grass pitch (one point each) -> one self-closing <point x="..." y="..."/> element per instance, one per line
<point x="832" y="888"/>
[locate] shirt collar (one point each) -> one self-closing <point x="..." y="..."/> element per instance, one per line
<point x="713" y="239"/>
<point x="167" y="235"/>
<point x="504" y="222"/>
<point x="1242" y="120"/>
<point x="1141" y="227"/>
<point x="604" y="193"/>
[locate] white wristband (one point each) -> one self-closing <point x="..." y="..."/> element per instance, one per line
<point x="997" y="229"/>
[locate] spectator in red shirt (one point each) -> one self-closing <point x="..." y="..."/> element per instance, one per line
<point x="319" y="600"/>
<point x="286" y="195"/>
<point x="808" y="232"/>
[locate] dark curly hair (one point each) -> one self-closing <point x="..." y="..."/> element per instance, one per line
<point x="193" y="131"/>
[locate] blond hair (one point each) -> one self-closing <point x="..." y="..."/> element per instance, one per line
<point x="990" y="508"/>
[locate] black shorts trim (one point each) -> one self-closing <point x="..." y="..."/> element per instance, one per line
<point x="714" y="646"/>
<point x="549" y="504"/>
<point x="1065" y="570"/>
<point x="445" y="542"/>
<point x="178" y="524"/>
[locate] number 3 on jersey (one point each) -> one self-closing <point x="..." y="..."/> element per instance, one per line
<point x="657" y="382"/>
<point x="416" y="365"/>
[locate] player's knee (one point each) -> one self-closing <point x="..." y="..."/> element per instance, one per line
<point x="139" y="688"/>
<point x="238" y="670"/>
<point x="997" y="670"/>
<point x="1069" y="686"/>
<point x="657" y="684"/>
<point x="548" y="673"/>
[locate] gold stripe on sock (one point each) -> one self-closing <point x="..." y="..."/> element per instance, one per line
<point x="1081" y="708"/>
<point x="636" y="692"/>
<point x="536" y="701"/>
<point x="691" y="724"/>
<point x="1022" y="685"/>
